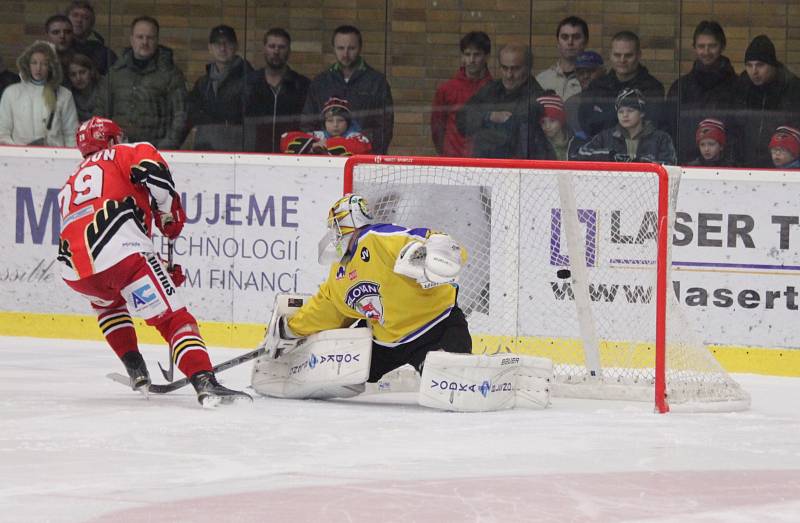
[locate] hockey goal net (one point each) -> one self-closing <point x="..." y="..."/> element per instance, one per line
<point x="570" y="261"/>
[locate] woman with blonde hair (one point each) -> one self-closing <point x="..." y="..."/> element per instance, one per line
<point x="38" y="110"/>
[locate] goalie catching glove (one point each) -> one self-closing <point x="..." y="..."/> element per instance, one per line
<point x="435" y="261"/>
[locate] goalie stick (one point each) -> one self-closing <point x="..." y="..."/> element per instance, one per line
<point x="169" y="387"/>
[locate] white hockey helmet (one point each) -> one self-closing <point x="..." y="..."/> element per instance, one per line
<point x="345" y="216"/>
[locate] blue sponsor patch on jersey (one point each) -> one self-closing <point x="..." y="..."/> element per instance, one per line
<point x="143" y="296"/>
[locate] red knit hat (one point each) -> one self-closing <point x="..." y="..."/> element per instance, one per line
<point x="787" y="138"/>
<point x="553" y="108"/>
<point x="339" y="106"/>
<point x="711" y="129"/>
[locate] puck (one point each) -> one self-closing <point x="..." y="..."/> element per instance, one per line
<point x="563" y="273"/>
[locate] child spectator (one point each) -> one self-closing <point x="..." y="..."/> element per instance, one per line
<point x="38" y="110"/>
<point x="785" y="148"/>
<point x="711" y="137"/>
<point x="633" y="139"/>
<point x="83" y="77"/>
<point x="341" y="136"/>
<point x="561" y="140"/>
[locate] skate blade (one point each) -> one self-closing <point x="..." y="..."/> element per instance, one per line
<point x="145" y="390"/>
<point x="212" y="402"/>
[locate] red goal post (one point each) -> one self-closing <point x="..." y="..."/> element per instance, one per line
<point x="568" y="260"/>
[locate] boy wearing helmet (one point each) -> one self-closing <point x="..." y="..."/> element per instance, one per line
<point x="398" y="280"/>
<point x="108" y="207"/>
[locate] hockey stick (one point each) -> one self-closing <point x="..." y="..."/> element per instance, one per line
<point x="269" y="343"/>
<point x="169" y="387"/>
<point x="168" y="375"/>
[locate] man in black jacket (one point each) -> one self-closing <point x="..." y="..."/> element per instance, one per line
<point x="698" y="94"/>
<point x="352" y="79"/>
<point x="274" y="96"/>
<point x="765" y="97"/>
<point x="216" y="103"/>
<point x="597" y="110"/>
<point x="89" y="42"/>
<point x="502" y="119"/>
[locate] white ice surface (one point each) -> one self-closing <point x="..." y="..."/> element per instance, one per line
<point x="75" y="446"/>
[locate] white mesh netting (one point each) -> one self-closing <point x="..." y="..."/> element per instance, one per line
<point x="597" y="322"/>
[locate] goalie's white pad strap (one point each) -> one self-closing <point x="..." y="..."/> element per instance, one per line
<point x="533" y="383"/>
<point x="476" y="383"/>
<point x="328" y="364"/>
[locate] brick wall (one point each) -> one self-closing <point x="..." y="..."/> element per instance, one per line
<point x="422" y="35"/>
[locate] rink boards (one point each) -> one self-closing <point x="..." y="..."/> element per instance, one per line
<point x="255" y="220"/>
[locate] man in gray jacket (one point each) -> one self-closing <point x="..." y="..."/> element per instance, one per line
<point x="145" y="92"/>
<point x="352" y="79"/>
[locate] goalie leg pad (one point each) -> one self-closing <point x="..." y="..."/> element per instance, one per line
<point x="467" y="382"/>
<point x="477" y="383"/>
<point x="330" y="364"/>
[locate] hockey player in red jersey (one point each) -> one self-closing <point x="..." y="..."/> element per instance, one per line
<point x="108" y="209"/>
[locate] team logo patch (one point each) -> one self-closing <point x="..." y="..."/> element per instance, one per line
<point x="340" y="272"/>
<point x="365" y="298"/>
<point x="365" y="254"/>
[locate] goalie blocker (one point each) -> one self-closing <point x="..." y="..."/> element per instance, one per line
<point x="336" y="364"/>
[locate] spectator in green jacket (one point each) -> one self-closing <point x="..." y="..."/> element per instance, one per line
<point x="145" y="92"/>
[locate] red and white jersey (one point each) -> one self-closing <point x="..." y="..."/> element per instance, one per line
<point x="105" y="217"/>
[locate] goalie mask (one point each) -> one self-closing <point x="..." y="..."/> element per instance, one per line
<point x="345" y="216"/>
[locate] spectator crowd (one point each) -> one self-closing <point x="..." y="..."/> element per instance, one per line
<point x="581" y="108"/>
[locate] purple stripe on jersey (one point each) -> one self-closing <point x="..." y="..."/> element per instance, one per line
<point x="422" y="232"/>
<point x="389" y="228"/>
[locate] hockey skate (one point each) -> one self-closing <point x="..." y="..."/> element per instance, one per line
<point x="210" y="393"/>
<point x="137" y="371"/>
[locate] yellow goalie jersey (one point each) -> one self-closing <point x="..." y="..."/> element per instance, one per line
<point x="363" y="285"/>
